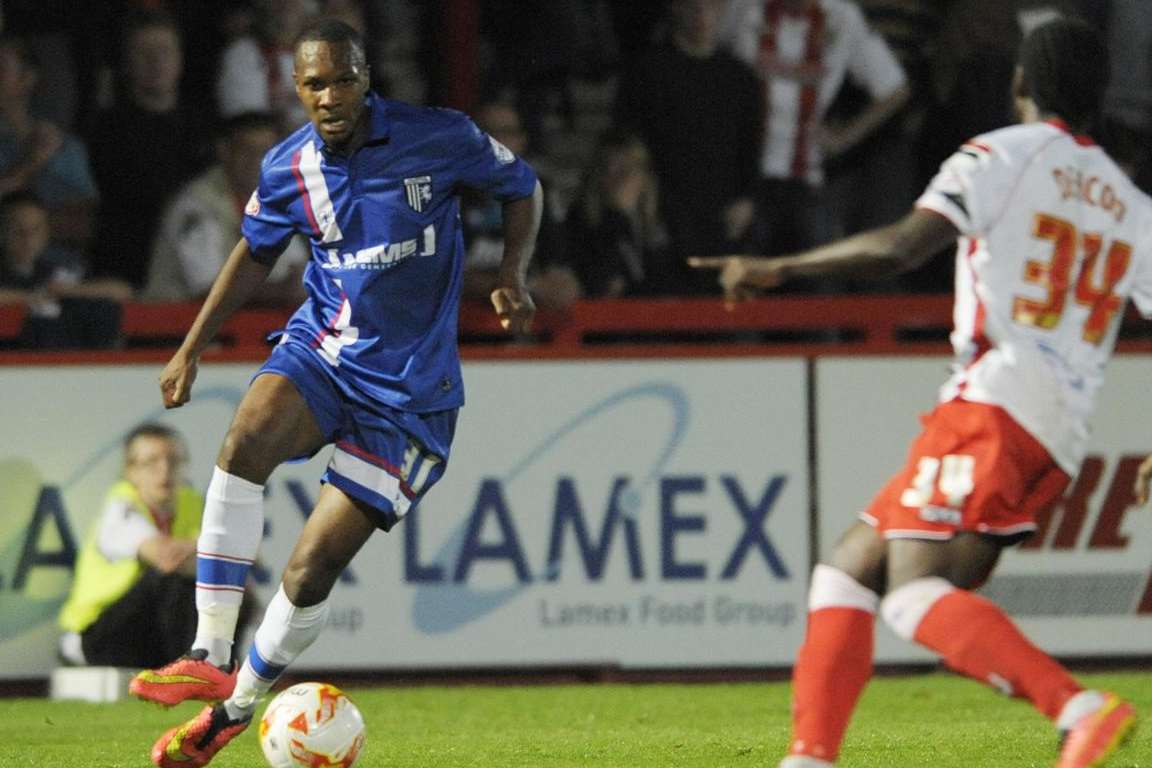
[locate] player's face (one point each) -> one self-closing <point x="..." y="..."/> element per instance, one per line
<point x="153" y="465"/>
<point x="331" y="80"/>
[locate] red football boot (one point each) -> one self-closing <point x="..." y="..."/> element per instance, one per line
<point x="189" y="677"/>
<point x="195" y="743"/>
<point x="1098" y="734"/>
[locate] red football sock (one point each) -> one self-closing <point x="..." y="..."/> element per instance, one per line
<point x="979" y="641"/>
<point x="834" y="665"/>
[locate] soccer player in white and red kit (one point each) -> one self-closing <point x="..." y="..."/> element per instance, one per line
<point x="1053" y="239"/>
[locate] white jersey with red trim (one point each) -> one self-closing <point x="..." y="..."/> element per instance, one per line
<point x="1054" y="240"/>
<point x="804" y="57"/>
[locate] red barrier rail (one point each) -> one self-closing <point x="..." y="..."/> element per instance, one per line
<point x="778" y="325"/>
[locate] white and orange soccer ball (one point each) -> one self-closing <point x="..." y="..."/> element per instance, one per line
<point x="311" y="725"/>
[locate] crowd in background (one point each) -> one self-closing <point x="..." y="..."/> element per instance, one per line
<point x="131" y="131"/>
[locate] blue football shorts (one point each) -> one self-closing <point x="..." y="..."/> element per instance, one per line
<point x="383" y="457"/>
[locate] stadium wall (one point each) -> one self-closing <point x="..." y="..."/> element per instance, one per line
<point x="632" y="513"/>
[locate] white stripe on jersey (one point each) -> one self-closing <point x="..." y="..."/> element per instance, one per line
<point x="318" y="194"/>
<point x="340" y="334"/>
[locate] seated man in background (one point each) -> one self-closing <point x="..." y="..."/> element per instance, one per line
<point x="133" y="599"/>
<point x="700" y="111"/>
<point x="37" y="155"/>
<point x="202" y="223"/>
<point x="614" y="230"/>
<point x="552" y="283"/>
<point x="144" y="147"/>
<point x="64" y="309"/>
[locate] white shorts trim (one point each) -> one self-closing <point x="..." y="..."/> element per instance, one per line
<point x="1010" y="530"/>
<point x="371" y="477"/>
<point x="917" y="534"/>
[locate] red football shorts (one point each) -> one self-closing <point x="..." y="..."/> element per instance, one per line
<point x="973" y="468"/>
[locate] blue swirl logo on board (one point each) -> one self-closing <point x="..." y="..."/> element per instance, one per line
<point x="440" y="608"/>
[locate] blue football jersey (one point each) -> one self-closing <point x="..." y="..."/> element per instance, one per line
<point x="384" y="278"/>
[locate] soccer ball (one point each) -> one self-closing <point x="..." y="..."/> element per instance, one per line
<point x="311" y="725"/>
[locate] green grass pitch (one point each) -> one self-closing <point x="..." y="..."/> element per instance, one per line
<point x="925" y="720"/>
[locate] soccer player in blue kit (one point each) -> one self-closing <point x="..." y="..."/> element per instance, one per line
<point x="368" y="362"/>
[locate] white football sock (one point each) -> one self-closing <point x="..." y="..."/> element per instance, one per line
<point x="1077" y="707"/>
<point x="803" y="761"/>
<point x="286" y="631"/>
<point x="230" y="534"/>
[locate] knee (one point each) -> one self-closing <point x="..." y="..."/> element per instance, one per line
<point x="906" y="606"/>
<point x="309" y="576"/>
<point x="250" y="450"/>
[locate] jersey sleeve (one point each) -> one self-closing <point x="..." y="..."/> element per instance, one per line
<point x="267" y="226"/>
<point x="123" y="528"/>
<point x="872" y="64"/>
<point x="971" y="187"/>
<point x="486" y="165"/>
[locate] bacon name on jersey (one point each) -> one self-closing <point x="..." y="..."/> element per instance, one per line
<point x="1076" y="185"/>
<point x="384" y="255"/>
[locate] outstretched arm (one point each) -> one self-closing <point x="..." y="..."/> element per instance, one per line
<point x="876" y="253"/>
<point x="240" y="276"/>
<point x="1143" y="480"/>
<point x="511" y="300"/>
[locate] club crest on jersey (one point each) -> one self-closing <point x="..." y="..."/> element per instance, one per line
<point x="418" y="190"/>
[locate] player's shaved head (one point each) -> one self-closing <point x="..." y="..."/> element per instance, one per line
<point x="331" y="78"/>
<point x="1064" y="68"/>
<point x="333" y="32"/>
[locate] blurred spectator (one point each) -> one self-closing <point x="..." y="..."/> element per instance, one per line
<point x="143" y="148"/>
<point x="132" y="602"/>
<point x="888" y="159"/>
<point x="63" y="309"/>
<point x="973" y="75"/>
<point x="972" y="84"/>
<point x="1131" y="147"/>
<point x="47" y="28"/>
<point x="634" y="24"/>
<point x="552" y="283"/>
<point x="804" y="50"/>
<point x="701" y="113"/>
<point x="256" y="69"/>
<point x="202" y="224"/>
<point x="37" y="155"/>
<point x="1129" y="34"/>
<point x="617" y="240"/>
<point x="538" y="46"/>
